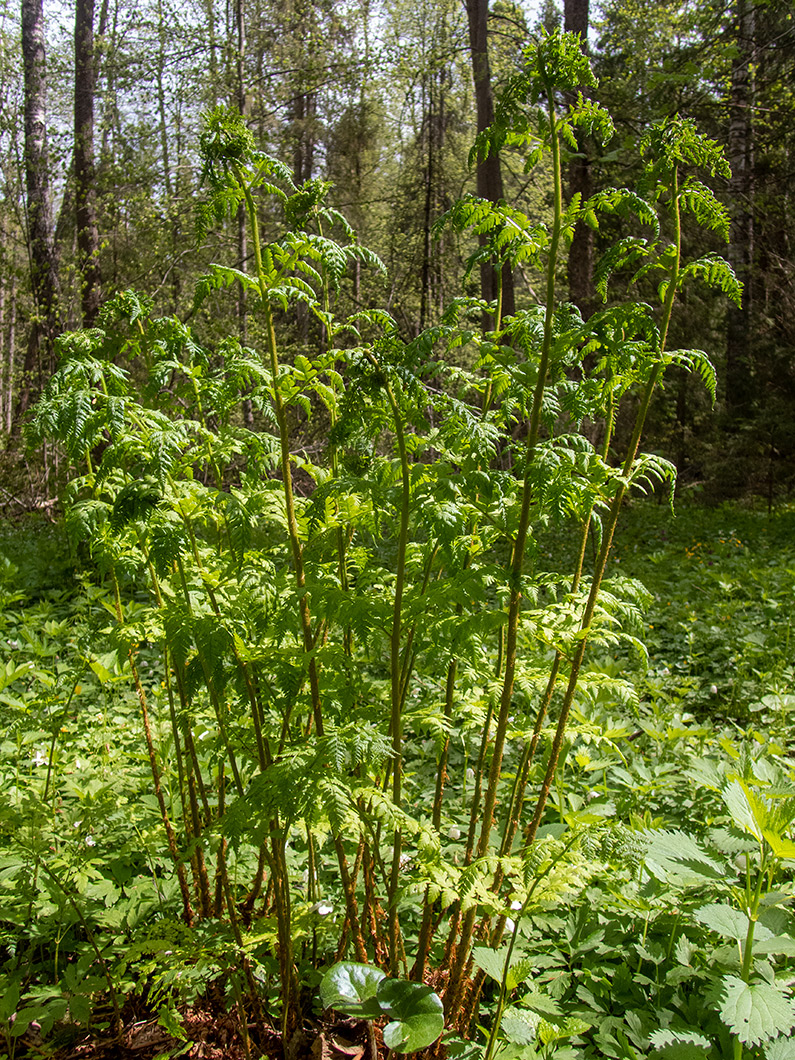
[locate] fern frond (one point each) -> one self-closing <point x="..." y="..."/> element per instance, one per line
<point x="698" y="362"/>
<point x="622" y="254"/>
<point x="716" y="272"/>
<point x="220" y="277"/>
<point x="697" y="199"/>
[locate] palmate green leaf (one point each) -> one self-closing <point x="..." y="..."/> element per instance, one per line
<point x="490" y="961"/>
<point x="493" y="963"/>
<point x="543" y="1005"/>
<point x="778" y="945"/>
<point x="416" y="1013"/>
<point x="557" y="1032"/>
<point x="755" y="1012"/>
<point x="781" y="846"/>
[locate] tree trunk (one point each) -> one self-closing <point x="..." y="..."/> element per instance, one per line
<point x="581" y="251"/>
<point x="739" y="381"/>
<point x="41" y="245"/>
<point x="85" y="176"/>
<point x="427" y="218"/>
<point x="162" y="32"/>
<point x="2" y="344"/>
<point x="488" y="174"/>
<point x="303" y="112"/>
<point x="242" y="245"/>
<point x="212" y="45"/>
<point x="12" y="320"/>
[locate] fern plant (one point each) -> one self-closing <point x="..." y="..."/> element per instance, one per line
<point x="311" y="640"/>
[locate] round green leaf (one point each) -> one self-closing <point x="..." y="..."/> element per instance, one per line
<point x="417" y="1015"/>
<point x="351" y="988"/>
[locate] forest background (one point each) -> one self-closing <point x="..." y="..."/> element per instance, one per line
<point x="99" y="178"/>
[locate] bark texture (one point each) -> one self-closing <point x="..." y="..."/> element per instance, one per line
<point x="41" y="244"/>
<point x="489" y="172"/>
<point x="581" y="251"/>
<point x="85" y="175"/>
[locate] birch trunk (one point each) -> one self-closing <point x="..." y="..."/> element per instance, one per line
<point x="41" y="244"/>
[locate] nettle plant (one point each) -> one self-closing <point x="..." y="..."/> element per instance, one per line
<point x="370" y="683"/>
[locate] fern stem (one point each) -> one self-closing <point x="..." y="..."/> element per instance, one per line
<point x="457" y="984"/>
<point x="396" y="718"/>
<point x="264" y="755"/>
<point x="426" y="928"/>
<point x="171" y="839"/>
<point x="284" y="454"/>
<point x="193" y="827"/>
<point x="210" y="685"/>
<point x="612" y="521"/>
<point x="238" y="935"/>
<point x="516" y="803"/>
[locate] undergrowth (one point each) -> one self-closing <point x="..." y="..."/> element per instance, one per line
<point x="611" y="966"/>
<point x="276" y="729"/>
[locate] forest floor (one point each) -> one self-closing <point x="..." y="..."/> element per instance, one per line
<point x="718" y="630"/>
<point x="209" y="1034"/>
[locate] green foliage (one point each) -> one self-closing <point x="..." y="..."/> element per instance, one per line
<point x="415" y="1012"/>
<point x="362" y="706"/>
